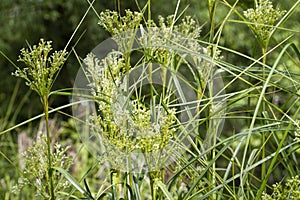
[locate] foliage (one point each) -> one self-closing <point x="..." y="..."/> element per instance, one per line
<point x="259" y="144"/>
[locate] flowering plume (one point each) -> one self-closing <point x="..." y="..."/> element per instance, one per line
<point x="41" y="68"/>
<point x="127" y="124"/>
<point x="263" y="18"/>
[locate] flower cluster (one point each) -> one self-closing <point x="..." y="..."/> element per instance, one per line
<point x="288" y="191"/>
<point x="134" y="118"/>
<point x="173" y="44"/>
<point x="35" y="172"/>
<point x="167" y="34"/>
<point x="112" y="22"/>
<point x="125" y="123"/>
<point x="41" y="68"/>
<point x="263" y="18"/>
<point x="160" y="34"/>
<point x="148" y="130"/>
<point x="105" y="75"/>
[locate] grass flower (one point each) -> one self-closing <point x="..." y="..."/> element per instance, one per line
<point x="112" y="22"/>
<point x="263" y="19"/>
<point x="39" y="73"/>
<point x="35" y="173"/>
<point x="125" y="123"/>
<point x="289" y="190"/>
<point x="41" y="67"/>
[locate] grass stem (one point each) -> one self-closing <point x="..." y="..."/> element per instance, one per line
<point x="50" y="171"/>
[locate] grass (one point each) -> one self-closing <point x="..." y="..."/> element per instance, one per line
<point x="258" y="102"/>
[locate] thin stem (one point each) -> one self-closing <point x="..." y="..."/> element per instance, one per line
<point x="211" y="125"/>
<point x="114" y="181"/>
<point x="212" y="131"/>
<point x="211" y="10"/>
<point x="46" y="110"/>
<point x="130" y="181"/>
<point x="153" y="177"/>
<point x="118" y="6"/>
<point x="162" y="175"/>
<point x="263" y="153"/>
<point x="149" y="13"/>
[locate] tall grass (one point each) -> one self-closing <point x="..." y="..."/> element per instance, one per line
<point x="259" y="141"/>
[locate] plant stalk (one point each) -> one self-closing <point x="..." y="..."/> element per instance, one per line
<point x="46" y="110"/>
<point x="114" y="182"/>
<point x="211" y="10"/>
<point x="263" y="166"/>
<point x="153" y="177"/>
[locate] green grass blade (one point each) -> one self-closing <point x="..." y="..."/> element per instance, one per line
<point x="263" y="185"/>
<point x="74" y="182"/>
<point x="164" y="190"/>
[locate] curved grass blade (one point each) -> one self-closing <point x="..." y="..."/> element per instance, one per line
<point x="74" y="182"/>
<point x="164" y="189"/>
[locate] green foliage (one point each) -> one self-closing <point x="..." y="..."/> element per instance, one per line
<point x="259" y="143"/>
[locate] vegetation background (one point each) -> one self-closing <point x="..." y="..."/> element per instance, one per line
<point x="25" y="22"/>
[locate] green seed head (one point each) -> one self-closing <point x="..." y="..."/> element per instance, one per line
<point x="41" y="67"/>
<point x="263" y="19"/>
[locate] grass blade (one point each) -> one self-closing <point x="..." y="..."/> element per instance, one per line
<point x="74" y="182"/>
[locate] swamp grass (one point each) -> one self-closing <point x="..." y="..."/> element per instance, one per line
<point x="255" y="157"/>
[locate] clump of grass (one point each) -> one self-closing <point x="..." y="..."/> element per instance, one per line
<point x="234" y="164"/>
<point x="126" y="119"/>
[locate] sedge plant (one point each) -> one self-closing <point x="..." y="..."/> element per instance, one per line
<point x="39" y="72"/>
<point x="226" y="169"/>
<point x="146" y="120"/>
<point x="262" y="21"/>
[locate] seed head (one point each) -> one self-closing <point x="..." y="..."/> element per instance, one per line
<point x="41" y="67"/>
